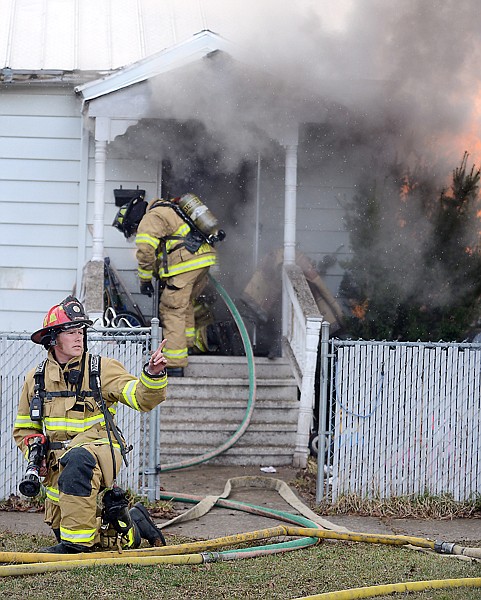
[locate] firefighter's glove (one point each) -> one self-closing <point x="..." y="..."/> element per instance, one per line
<point x="146" y="288"/>
<point x="43" y="471"/>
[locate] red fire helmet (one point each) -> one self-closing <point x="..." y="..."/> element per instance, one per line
<point x="68" y="314"/>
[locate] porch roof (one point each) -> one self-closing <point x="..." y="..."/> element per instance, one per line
<point x="198" y="46"/>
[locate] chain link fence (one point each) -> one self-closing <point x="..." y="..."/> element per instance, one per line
<point x="18" y="354"/>
<point x="403" y="419"/>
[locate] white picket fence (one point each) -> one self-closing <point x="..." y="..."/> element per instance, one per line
<point x="405" y="419"/>
<point x="18" y="355"/>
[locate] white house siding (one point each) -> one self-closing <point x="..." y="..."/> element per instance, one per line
<point x="326" y="176"/>
<point x="320" y="223"/>
<point x="40" y="166"/>
<point x="129" y="173"/>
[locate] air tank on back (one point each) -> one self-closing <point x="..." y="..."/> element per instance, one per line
<point x="202" y="217"/>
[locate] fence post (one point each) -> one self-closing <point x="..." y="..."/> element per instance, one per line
<point x="322" y="433"/>
<point x="153" y="489"/>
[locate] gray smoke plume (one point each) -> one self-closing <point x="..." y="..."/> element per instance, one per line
<point x="408" y="70"/>
<point x="398" y="82"/>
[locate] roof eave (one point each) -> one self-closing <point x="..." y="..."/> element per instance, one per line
<point x="16" y="77"/>
<point x="199" y="46"/>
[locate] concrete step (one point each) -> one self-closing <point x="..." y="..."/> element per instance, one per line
<point x="220" y="391"/>
<point x="280" y="414"/>
<point x="237" y="455"/>
<point x="208" y="405"/>
<point x="207" y="366"/>
<point x="257" y="434"/>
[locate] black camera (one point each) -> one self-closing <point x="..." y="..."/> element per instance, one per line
<point x="73" y="377"/>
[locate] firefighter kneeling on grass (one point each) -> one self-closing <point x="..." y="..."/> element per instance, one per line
<point x="65" y="428"/>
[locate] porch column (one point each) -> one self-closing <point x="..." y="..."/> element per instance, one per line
<point x="290" y="201"/>
<point x="290" y="196"/>
<point x="93" y="276"/>
<point x="106" y="130"/>
<point x="98" y="221"/>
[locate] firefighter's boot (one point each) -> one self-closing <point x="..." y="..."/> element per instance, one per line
<point x="65" y="548"/>
<point x="145" y="526"/>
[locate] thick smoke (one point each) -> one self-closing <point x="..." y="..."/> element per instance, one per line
<point x="407" y="71"/>
<point x="415" y="62"/>
<point x="398" y="82"/>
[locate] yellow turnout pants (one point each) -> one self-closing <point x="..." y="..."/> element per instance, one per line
<point x="83" y="472"/>
<point x="176" y="311"/>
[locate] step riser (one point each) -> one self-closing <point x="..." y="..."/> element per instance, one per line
<point x="239" y="448"/>
<point x="272" y="455"/>
<point x="218" y="403"/>
<point x="267" y="422"/>
<point x="178" y="383"/>
<point x="225" y="460"/>
<point x="217" y="438"/>
<point x="212" y="396"/>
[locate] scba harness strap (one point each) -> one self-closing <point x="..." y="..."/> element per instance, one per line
<point x="198" y="236"/>
<point x="192" y="241"/>
<point x="36" y="404"/>
<point x="94" y="367"/>
<point x="40" y="393"/>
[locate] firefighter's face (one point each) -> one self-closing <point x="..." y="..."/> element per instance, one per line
<point x="69" y="344"/>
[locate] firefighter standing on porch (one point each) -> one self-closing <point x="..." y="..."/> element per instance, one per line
<point x="167" y="248"/>
<point x="61" y="404"/>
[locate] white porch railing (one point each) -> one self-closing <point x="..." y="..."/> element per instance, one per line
<point x="301" y="321"/>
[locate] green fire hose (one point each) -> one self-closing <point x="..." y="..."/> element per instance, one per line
<point x="252" y="390"/>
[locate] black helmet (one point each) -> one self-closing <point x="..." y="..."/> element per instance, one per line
<point x="129" y="216"/>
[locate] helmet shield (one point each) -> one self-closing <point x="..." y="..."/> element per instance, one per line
<point x="69" y="314"/>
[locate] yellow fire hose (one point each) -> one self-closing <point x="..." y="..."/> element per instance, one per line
<point x="187" y="548"/>
<point x="393" y="588"/>
<point x="204" y="546"/>
<point x="183" y="553"/>
<point x="202" y="552"/>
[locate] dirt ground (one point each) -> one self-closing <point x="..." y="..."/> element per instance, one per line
<point x="205" y="480"/>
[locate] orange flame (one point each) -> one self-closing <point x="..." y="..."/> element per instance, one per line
<point x="360" y="310"/>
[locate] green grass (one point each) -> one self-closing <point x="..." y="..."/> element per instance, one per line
<point x="329" y="566"/>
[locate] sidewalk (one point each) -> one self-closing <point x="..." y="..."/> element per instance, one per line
<point x="207" y="479"/>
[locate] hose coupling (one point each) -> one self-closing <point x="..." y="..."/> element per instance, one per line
<point x="443" y="547"/>
<point x="211" y="557"/>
